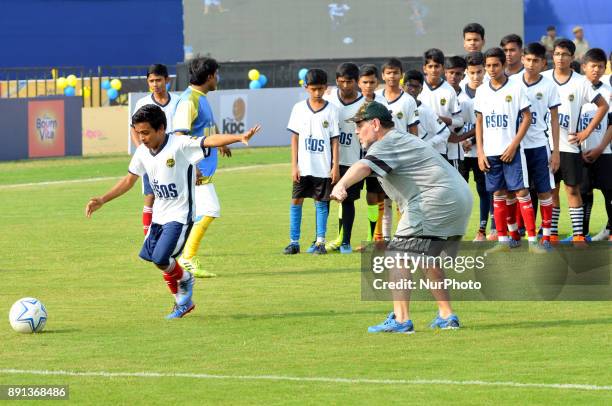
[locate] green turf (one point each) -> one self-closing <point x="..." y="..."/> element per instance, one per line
<point x="266" y="314"/>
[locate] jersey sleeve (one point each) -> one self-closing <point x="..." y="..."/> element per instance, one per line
<point x="184" y="116"/>
<point x="455" y="107"/>
<point x="381" y="158"/>
<point x="477" y="98"/>
<point x="590" y="93"/>
<point x="554" y="100"/>
<point x="136" y="166"/>
<point x="294" y="120"/>
<point x="412" y="115"/>
<point x="193" y="149"/>
<point x="524" y="102"/>
<point x="335" y="124"/>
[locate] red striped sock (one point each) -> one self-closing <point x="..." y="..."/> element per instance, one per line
<point x="511" y="218"/>
<point x="546" y="209"/>
<point x="172" y="275"/>
<point x="147" y="218"/>
<point x="528" y="215"/>
<point x="500" y="213"/>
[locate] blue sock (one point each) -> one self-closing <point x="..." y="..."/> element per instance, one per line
<point x="322" y="210"/>
<point x="295" y="222"/>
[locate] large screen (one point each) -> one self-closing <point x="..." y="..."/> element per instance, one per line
<point x="252" y="30"/>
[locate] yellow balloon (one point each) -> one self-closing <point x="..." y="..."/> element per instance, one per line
<point x="71" y="80"/>
<point x="301" y="82"/>
<point x="402" y="82"/>
<point x="86" y="92"/>
<point x="253" y="74"/>
<point x="116" y="84"/>
<point x="61" y="83"/>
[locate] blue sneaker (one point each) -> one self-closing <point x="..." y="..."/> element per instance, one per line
<point x="180" y="311"/>
<point x="185" y="290"/>
<point x="292" y="249"/>
<point x="514" y="243"/>
<point x="319" y="249"/>
<point x="312" y="248"/>
<point x="346" y="249"/>
<point x="390" y="325"/>
<point x="449" y="323"/>
<point x="547" y="245"/>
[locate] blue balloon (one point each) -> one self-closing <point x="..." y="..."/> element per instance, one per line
<point x="302" y="74"/>
<point x="112" y="93"/>
<point x="69" y="91"/>
<point x="263" y="80"/>
<point x="106" y="84"/>
<point x="254" y="84"/>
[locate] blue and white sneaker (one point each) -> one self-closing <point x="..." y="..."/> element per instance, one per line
<point x="185" y="290"/>
<point x="390" y="325"/>
<point x="319" y="249"/>
<point x="346" y="249"/>
<point x="312" y="248"/>
<point x="449" y="323"/>
<point x="180" y="311"/>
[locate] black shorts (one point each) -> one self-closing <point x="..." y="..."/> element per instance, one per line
<point x="471" y="164"/>
<point x="598" y="174"/>
<point x="426" y="245"/>
<point x="354" y="192"/>
<point x="373" y="185"/>
<point x="570" y="169"/>
<point x="312" y="187"/>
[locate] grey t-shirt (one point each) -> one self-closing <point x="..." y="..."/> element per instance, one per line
<point x="432" y="196"/>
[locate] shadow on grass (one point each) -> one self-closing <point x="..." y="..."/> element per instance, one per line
<point x="543" y="323"/>
<point x="61" y="331"/>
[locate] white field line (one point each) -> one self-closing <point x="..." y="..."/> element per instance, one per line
<point x="104" y="374"/>
<point x="64" y="182"/>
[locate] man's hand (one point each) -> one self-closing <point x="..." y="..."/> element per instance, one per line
<point x="509" y="153"/>
<point x="591" y="155"/>
<point x="467" y="145"/>
<point x="577" y="138"/>
<point x="225" y="151"/>
<point x="555" y="161"/>
<point x="483" y="163"/>
<point x="295" y="174"/>
<point x="247" y="136"/>
<point x="338" y="192"/>
<point x="94" y="204"/>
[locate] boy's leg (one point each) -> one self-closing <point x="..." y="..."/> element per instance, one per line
<point x="542" y="181"/>
<point x="496" y="184"/>
<point x="348" y="216"/>
<point x="511" y="215"/>
<point x="387" y="221"/>
<point x="484" y="198"/>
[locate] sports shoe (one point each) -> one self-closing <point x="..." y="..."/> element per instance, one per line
<point x="547" y="245"/>
<point x="514" y="243"/>
<point x="345" y="249"/>
<point x="193" y="265"/>
<point x="580" y="241"/>
<point x="522" y="231"/>
<point x="390" y="325"/>
<point x="449" y="323"/>
<point x="311" y="249"/>
<point x="319" y="249"/>
<point x="567" y="239"/>
<point x="332" y="245"/>
<point x="603" y="235"/>
<point x="535" y="248"/>
<point x="505" y="246"/>
<point x="480" y="236"/>
<point x="180" y="311"/>
<point x="554" y="239"/>
<point x="185" y="290"/>
<point x="492" y="235"/>
<point x="292" y="249"/>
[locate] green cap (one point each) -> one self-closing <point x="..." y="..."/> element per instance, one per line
<point x="370" y="111"/>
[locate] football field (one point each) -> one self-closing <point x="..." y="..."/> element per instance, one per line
<point x="271" y="329"/>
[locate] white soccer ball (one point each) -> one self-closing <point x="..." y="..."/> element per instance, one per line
<point x="28" y="315"/>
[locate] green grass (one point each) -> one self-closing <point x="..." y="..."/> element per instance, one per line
<point x="266" y="314"/>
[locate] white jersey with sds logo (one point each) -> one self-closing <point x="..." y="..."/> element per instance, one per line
<point x="315" y="130"/>
<point x="350" y="148"/>
<point x="586" y="116"/>
<point x="500" y="109"/>
<point x="168" y="108"/>
<point x="543" y="96"/>
<point x="403" y="109"/>
<point x="574" y="93"/>
<point x="171" y="175"/>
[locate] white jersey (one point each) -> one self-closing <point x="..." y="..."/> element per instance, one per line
<point x="466" y="100"/>
<point x="350" y="148"/>
<point x="403" y="109"/>
<point x="586" y="116"/>
<point x="574" y="93"/>
<point x="171" y="175"/>
<point x="168" y="108"/>
<point x="442" y="99"/>
<point x="431" y="129"/>
<point x="543" y="96"/>
<point x="315" y="130"/>
<point x="500" y="110"/>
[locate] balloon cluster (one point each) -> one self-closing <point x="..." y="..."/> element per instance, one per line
<point x="302" y="76"/>
<point x="258" y="80"/>
<point x="112" y="88"/>
<point x="67" y="85"/>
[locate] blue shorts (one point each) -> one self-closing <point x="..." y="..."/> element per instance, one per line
<point x="537" y="166"/>
<point x="146" y="186"/>
<point x="507" y="176"/>
<point x="164" y="242"/>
